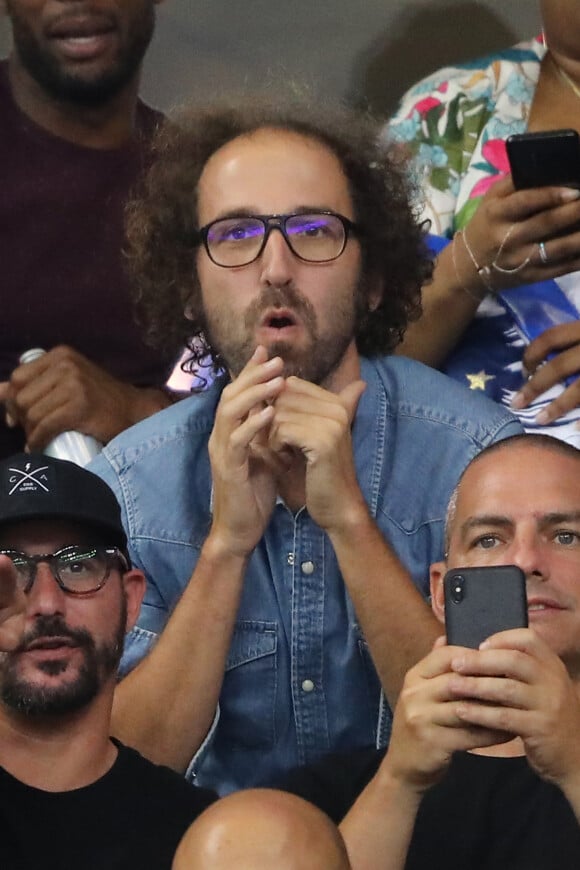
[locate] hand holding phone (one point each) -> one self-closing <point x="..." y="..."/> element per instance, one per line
<point x="480" y="602"/>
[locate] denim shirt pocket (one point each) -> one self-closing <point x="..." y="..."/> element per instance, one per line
<point x="248" y="696"/>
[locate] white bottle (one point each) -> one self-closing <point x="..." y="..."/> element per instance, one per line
<point x="74" y="446"/>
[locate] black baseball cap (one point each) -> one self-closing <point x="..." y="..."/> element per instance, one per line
<point x="35" y="486"/>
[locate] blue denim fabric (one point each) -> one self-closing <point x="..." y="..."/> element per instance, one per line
<point x="415" y="430"/>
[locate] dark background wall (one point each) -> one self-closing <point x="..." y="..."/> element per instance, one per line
<point x="367" y="51"/>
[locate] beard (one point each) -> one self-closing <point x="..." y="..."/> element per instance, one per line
<point x="314" y="361"/>
<point x="81" y="88"/>
<point x="32" y="699"/>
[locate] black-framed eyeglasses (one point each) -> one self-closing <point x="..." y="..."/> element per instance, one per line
<point x="316" y="237"/>
<point x="77" y="569"/>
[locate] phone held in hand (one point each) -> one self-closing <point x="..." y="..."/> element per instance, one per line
<point x="480" y="602"/>
<point x="546" y="158"/>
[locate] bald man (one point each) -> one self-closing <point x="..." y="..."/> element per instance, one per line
<point x="261" y="829"/>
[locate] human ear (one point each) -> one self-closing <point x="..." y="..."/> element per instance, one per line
<point x="437" y="572"/>
<point x="134" y="584"/>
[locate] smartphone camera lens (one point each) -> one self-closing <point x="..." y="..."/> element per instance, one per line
<point x="457" y="589"/>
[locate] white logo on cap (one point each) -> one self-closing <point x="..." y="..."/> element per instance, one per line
<point x="28" y="481"/>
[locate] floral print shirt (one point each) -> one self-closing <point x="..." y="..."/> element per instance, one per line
<point x="455" y="123"/>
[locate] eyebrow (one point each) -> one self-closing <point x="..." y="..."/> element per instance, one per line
<point x="484" y="521"/>
<point x="555" y="518"/>
<point x="248" y="212"/>
<point x="500" y="521"/>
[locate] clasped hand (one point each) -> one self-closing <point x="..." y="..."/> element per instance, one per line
<point x="267" y="427"/>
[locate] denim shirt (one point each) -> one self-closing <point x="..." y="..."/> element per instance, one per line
<point x="299" y="680"/>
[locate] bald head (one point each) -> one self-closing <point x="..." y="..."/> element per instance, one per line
<point x="262" y="829"/>
<point x="514" y="446"/>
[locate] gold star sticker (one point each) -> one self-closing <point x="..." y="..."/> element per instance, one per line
<point x="478" y="381"/>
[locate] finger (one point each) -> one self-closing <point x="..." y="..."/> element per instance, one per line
<point x="279" y="462"/>
<point x="513" y="663"/>
<point x="522" y="204"/>
<point x="7" y="581"/>
<point x="560" y="337"/>
<point x="310" y="399"/>
<point x="350" y="397"/>
<point x="497" y="691"/>
<point x="236" y="405"/>
<point x="550" y="374"/>
<point x="525" y="640"/>
<point x="299" y="391"/>
<point x="561" y="221"/>
<point x="561" y="405"/>
<point x="506" y="720"/>
<point x="437" y="662"/>
<point x="257" y="369"/>
<point x="242" y="437"/>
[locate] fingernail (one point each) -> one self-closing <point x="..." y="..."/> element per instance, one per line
<point x="273" y="363"/>
<point x="543" y="417"/>
<point x="518" y="401"/>
<point x="569" y="193"/>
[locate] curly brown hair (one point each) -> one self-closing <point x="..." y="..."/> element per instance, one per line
<point x="162" y="224"/>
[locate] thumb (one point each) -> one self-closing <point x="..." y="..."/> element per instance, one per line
<point x="350" y="397"/>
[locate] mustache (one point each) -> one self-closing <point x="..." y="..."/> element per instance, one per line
<point x="280" y="297"/>
<point x="54" y="626"/>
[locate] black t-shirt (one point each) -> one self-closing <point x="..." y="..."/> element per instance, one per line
<point x="62" y="275"/>
<point x="133" y="817"/>
<point x="486" y="814"/>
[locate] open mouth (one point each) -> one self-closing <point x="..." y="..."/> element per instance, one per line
<point x="280" y="322"/>
<point x="278" y="319"/>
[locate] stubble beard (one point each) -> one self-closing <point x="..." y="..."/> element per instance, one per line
<point x="314" y="361"/>
<point x="87" y="91"/>
<point x="32" y="699"/>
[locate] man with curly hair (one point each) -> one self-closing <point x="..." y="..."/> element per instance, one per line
<point x="306" y="489"/>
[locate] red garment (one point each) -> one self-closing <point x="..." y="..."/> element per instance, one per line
<point x="61" y="236"/>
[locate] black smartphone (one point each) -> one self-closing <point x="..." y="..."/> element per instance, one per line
<point x="550" y="157"/>
<point x="482" y="601"/>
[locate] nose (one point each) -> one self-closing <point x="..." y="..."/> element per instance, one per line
<point x="277" y="260"/>
<point x="46" y="596"/>
<point x="529" y="555"/>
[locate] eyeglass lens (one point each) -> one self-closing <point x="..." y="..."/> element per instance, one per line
<point x="79" y="569"/>
<point x="313" y="237"/>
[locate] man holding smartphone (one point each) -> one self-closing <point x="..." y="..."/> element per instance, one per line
<point x="483" y="768"/>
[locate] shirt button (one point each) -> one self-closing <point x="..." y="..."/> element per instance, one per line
<point x="290" y="558"/>
<point x="307" y="686"/>
<point x="307" y="567"/>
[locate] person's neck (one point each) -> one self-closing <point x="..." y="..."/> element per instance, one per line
<point x="58" y="753"/>
<point x="564" y="72"/>
<point x="101" y="127"/>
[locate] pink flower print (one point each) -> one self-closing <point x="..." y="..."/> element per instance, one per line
<point x="424" y="106"/>
<point x="494" y="152"/>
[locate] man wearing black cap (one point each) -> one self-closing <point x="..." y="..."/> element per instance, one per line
<point x="67" y="596"/>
